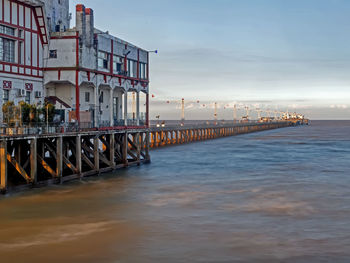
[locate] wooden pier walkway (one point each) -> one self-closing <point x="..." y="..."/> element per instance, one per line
<point x="28" y="161"/>
<point x="173" y="135"/>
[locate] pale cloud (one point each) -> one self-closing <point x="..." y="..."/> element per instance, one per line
<point x="342" y="106"/>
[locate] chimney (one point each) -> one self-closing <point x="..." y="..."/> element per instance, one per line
<point x="90" y="28"/>
<point x="81" y="22"/>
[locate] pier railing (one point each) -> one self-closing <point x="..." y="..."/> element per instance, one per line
<point x="40" y="128"/>
<point x="54" y="128"/>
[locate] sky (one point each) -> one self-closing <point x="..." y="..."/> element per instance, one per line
<point x="269" y="54"/>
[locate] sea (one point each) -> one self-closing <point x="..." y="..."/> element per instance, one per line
<point x="274" y="196"/>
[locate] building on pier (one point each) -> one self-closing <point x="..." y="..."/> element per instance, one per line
<point x="23" y="37"/>
<point x="88" y="74"/>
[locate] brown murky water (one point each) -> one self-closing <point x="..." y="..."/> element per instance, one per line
<point x="275" y="196"/>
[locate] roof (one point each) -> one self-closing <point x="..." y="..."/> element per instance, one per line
<point x="32" y="2"/>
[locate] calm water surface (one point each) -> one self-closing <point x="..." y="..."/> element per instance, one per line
<point x="274" y="196"/>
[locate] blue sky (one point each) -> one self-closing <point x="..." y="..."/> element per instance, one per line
<point x="265" y="53"/>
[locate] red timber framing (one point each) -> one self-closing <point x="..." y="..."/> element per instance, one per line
<point x="23" y="17"/>
<point x="77" y="88"/>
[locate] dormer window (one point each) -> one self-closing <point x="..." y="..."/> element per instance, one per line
<point x="118" y="64"/>
<point x="103" y="60"/>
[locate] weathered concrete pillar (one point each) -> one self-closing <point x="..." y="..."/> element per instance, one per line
<point x="19" y="153"/>
<point x="166" y="138"/>
<point x="112" y="150"/>
<point x="3" y="166"/>
<point x="138" y="145"/>
<point x="156" y="141"/>
<point x="147" y="146"/>
<point x="138" y="108"/>
<point x="151" y="139"/>
<point x="111" y="117"/>
<point x="78" y="154"/>
<point x="126" y="108"/>
<point x="33" y="160"/>
<point x="59" y="153"/>
<point x="125" y="149"/>
<point x="96" y="154"/>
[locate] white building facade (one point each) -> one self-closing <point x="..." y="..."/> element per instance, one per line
<point x="89" y="75"/>
<point x="92" y="75"/>
<point x="23" y="36"/>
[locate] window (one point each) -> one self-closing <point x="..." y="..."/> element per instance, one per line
<point x="6" y="95"/>
<point x="87" y="96"/>
<point x="118" y="64"/>
<point x="7" y="30"/>
<point x="101" y="97"/>
<point x="7" y="50"/>
<point x="132" y="68"/>
<point x="115" y="107"/>
<point x="142" y="71"/>
<point x="28" y="93"/>
<point x="103" y="60"/>
<point x="53" y="53"/>
<point x="20" y="53"/>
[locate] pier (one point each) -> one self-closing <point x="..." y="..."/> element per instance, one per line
<point x="35" y="160"/>
<point x="172" y="135"/>
<point x="29" y="160"/>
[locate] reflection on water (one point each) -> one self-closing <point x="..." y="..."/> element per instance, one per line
<point x="275" y="196"/>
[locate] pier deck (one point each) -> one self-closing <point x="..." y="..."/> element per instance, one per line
<point x="36" y="160"/>
<point x="172" y="135"/>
